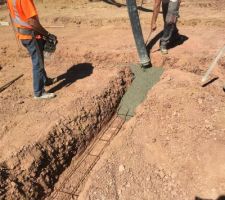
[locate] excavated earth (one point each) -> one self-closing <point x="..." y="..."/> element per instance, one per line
<point x="38" y="139"/>
<point x="173" y="148"/>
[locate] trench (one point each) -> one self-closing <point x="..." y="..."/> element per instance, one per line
<point x="34" y="170"/>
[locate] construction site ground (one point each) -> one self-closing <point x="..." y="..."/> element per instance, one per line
<point x="172" y="148"/>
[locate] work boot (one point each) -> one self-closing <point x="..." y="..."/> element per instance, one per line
<point x="163" y="49"/>
<point x="45" y="95"/>
<point x="50" y="81"/>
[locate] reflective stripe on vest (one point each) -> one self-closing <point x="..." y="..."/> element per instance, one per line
<point x="17" y="19"/>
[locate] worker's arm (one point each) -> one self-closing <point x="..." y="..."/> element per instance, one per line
<point x="36" y="26"/>
<point x="155" y="14"/>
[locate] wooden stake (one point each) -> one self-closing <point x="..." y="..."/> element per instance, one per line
<point x="2" y="88"/>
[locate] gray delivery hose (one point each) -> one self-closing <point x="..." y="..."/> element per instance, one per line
<point x="137" y="32"/>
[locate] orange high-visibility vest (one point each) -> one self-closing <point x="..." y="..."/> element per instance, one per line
<point x="21" y="11"/>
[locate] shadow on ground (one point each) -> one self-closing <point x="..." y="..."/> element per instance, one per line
<point x="119" y="5"/>
<point x="73" y="74"/>
<point x="177" y="42"/>
<point x="113" y="2"/>
<point x="173" y="44"/>
<point x="210" y="81"/>
<point x="219" y="198"/>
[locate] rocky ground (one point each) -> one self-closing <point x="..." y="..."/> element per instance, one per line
<point x="172" y="148"/>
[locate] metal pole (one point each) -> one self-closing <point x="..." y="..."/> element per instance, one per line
<point x="213" y="65"/>
<point x="137" y="32"/>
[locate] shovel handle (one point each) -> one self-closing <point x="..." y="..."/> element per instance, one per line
<point x="212" y="66"/>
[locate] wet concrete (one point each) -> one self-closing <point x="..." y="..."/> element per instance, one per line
<point x="144" y="80"/>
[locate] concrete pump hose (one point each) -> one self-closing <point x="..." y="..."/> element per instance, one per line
<point x="137" y="32"/>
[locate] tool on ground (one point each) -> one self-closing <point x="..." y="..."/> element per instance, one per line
<point x="205" y="78"/>
<point x="2" y="88"/>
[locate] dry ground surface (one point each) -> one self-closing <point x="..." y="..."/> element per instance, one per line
<point x="174" y="146"/>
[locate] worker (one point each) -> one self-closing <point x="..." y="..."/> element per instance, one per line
<point x="170" y="14"/>
<point x="34" y="38"/>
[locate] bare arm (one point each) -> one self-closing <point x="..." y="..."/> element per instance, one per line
<point x="155" y="14"/>
<point x="35" y="24"/>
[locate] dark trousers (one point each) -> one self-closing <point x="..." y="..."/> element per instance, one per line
<point x="170" y="15"/>
<point x="35" y="49"/>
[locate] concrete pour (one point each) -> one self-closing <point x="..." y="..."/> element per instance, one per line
<point x="144" y="80"/>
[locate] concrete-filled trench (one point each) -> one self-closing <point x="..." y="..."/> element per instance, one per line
<point x="32" y="172"/>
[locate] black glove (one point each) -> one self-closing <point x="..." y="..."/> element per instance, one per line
<point x="50" y="44"/>
<point x="52" y="37"/>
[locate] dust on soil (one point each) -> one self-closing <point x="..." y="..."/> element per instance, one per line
<point x="173" y="147"/>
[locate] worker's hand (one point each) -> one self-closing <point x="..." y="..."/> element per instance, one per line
<point x="153" y="27"/>
<point x="50" y="44"/>
<point x="52" y="38"/>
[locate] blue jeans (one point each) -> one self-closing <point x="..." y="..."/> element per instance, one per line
<point x="35" y="49"/>
<point x="170" y="15"/>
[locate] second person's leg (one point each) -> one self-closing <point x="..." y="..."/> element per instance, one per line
<point x="38" y="70"/>
<point x="170" y="13"/>
<point x="39" y="74"/>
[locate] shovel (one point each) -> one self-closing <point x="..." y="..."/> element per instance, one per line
<point x="205" y="78"/>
